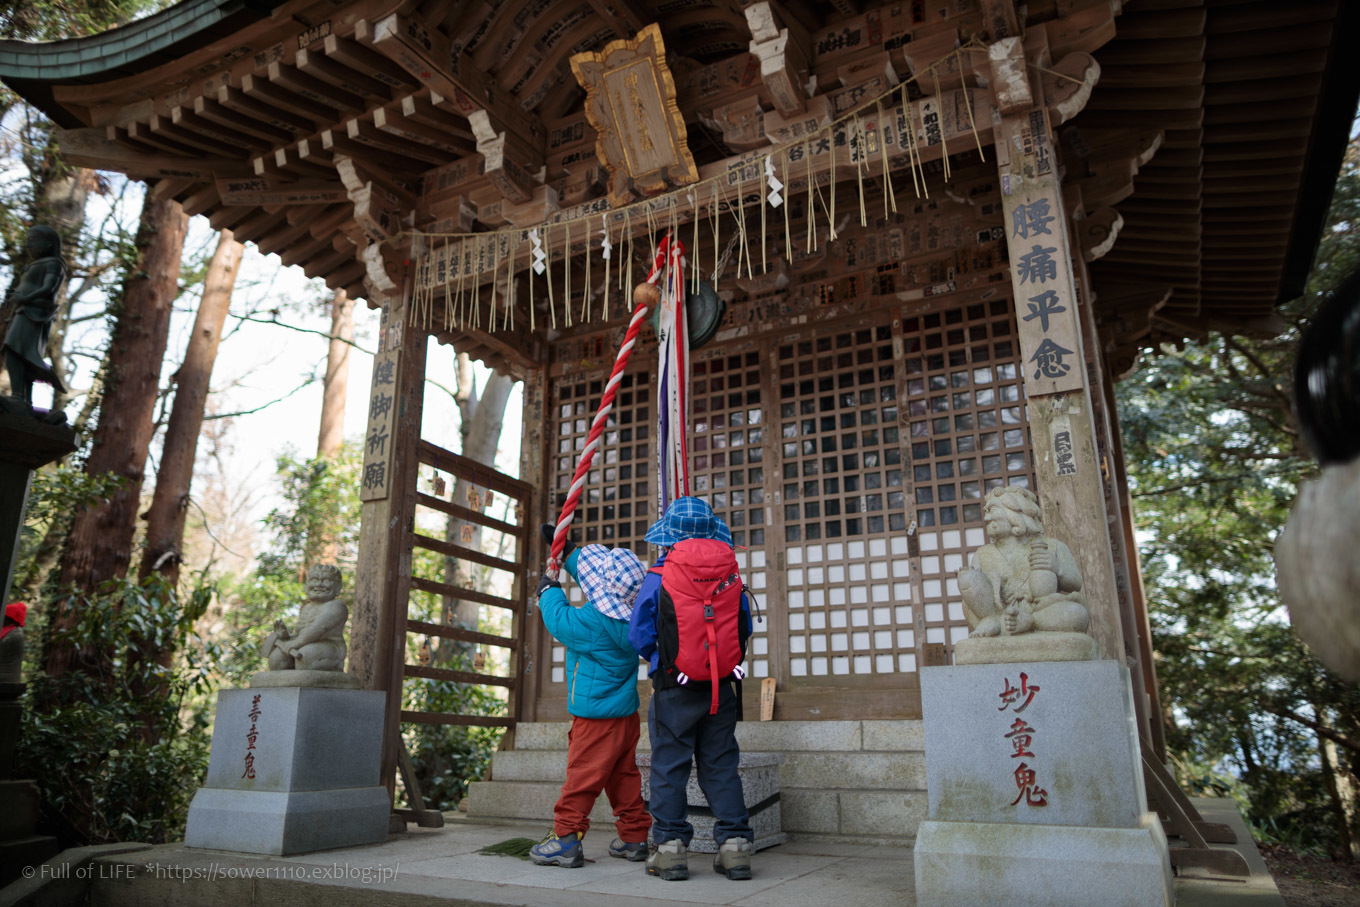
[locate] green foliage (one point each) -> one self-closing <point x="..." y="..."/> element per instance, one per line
<point x="320" y="503"/>
<point x="447" y="757"/>
<point x="56" y="493"/>
<point x="103" y="778"/>
<point x="1215" y="463"/>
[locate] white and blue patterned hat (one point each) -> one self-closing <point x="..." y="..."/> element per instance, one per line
<point x="688" y="518"/>
<point x="610" y="578"/>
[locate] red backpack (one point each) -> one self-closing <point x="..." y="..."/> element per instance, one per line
<point x="700" y="637"/>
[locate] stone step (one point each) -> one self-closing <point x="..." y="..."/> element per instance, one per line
<point x="847" y="780"/>
<point x="904" y="735"/>
<point x="849" y="814"/>
<point x="904" y="771"/>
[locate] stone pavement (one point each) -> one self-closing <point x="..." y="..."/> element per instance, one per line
<point x="441" y="867"/>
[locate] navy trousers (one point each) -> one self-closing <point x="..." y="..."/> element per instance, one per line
<point x="682" y="729"/>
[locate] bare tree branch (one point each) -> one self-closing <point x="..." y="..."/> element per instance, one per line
<point x="247" y="412"/>
<point x="292" y="327"/>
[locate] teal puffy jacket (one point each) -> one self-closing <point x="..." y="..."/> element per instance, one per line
<point x="602" y="667"/>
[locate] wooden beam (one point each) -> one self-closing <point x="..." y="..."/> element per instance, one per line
<point x="400" y="127"/>
<point x="315" y="90"/>
<point x="210" y="109"/>
<point x="333" y="72"/>
<point x="90" y="147"/>
<point x="365" y="133"/>
<point x="425" y="53"/>
<point x="276" y="95"/>
<point x="237" y="100"/>
<point x="229" y="138"/>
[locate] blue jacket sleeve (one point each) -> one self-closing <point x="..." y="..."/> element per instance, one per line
<point x="573" y="627"/>
<point x="642" y="625"/>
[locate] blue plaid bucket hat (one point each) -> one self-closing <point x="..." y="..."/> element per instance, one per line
<point x="688" y="518"/>
<point x="610" y="578"/>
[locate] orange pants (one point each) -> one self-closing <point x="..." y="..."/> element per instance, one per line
<point x="601" y="756"/>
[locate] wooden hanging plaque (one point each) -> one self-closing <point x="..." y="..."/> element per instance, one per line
<point x="640" y="131"/>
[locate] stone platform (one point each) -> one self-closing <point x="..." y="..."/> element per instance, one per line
<point x="441" y="867"/>
<point x="760" y="790"/>
<point x="843" y="781"/>
<point x="292" y="770"/>
<point x="1036" y="789"/>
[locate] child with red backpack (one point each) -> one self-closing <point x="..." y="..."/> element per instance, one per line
<point x="691" y="622"/>
<point x="602" y="699"/>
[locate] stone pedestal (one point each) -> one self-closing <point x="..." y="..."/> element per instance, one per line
<point x="11" y="718"/>
<point x="1036" y="790"/>
<point x="293" y="770"/>
<point x="759" y="774"/>
<point x="25" y="445"/>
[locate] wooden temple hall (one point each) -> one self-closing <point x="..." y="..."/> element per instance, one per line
<point x="939" y="232"/>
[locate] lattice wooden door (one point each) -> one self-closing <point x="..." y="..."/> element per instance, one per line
<point x="849" y="460"/>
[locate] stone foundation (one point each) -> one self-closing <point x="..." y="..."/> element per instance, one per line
<point x="293" y="770"/>
<point x="760" y="789"/>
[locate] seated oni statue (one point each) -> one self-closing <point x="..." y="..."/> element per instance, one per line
<point x="1021" y="580"/>
<point x="319" y="641"/>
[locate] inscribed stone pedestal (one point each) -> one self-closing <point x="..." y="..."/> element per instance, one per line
<point x="1036" y="789"/>
<point x="1064" y="723"/>
<point x="293" y="769"/>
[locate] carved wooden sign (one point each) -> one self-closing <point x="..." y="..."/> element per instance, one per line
<point x="1041" y="270"/>
<point x="630" y="101"/>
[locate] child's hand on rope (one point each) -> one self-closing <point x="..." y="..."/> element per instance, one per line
<point x="546" y="583"/>
<point x="549" y="530"/>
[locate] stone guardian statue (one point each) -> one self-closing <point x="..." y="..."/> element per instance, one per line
<point x="34" y="299"/>
<point x="313" y="653"/>
<point x="1022" y="584"/>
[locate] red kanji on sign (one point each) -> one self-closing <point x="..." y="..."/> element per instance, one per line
<point x="1029" y="791"/>
<point x="1021" y="738"/>
<point x="1010" y="694"/>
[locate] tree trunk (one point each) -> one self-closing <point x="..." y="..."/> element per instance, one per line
<point x="169" y="505"/>
<point x="1337" y="780"/>
<point x="336" y="383"/>
<point x="100" y="544"/>
<point x="482" y="415"/>
<point x="322" y="545"/>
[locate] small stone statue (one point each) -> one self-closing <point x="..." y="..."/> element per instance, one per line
<point x="12" y="643"/>
<point x="319" y="644"/>
<point x="1022" y="582"/>
<point x="35" y="306"/>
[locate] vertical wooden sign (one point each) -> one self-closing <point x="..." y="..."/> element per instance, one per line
<point x="767" y="699"/>
<point x="1037" y="242"/>
<point x="382" y="396"/>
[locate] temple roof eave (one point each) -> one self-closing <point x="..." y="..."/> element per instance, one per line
<point x="34" y="69"/>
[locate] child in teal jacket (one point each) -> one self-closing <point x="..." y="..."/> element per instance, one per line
<point x="602" y="677"/>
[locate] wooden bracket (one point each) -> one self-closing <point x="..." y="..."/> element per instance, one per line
<point x="1010" y="77"/>
<point x="783" y="58"/>
<point x="1180" y="819"/>
<point x="419" y="814"/>
<point x="425" y="53"/>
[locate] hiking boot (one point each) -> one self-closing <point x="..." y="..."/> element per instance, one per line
<point x="668" y="861"/>
<point x="559" y="851"/>
<point x="625" y="850"/>
<point x="734" y="859"/>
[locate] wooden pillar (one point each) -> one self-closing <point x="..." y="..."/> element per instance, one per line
<point x="1066" y="459"/>
<point x="1110" y="455"/>
<point x="534" y="661"/>
<point x="382" y="583"/>
<point x="1156" y="729"/>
